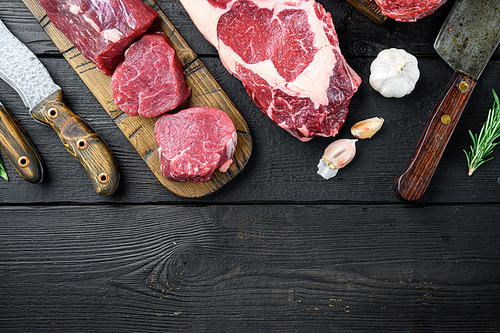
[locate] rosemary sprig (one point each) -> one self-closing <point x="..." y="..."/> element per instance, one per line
<point x="3" y="172"/>
<point x="483" y="145"/>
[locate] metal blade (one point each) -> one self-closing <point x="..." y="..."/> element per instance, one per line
<point x="22" y="70"/>
<point x="470" y="35"/>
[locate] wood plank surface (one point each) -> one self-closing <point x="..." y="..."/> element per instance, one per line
<point x="237" y="269"/>
<point x="277" y="249"/>
<point x="139" y="130"/>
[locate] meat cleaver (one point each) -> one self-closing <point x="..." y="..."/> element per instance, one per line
<point x="21" y="69"/>
<point x="18" y="148"/>
<point x="466" y="41"/>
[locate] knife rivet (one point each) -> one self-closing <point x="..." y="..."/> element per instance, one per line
<point x="463" y="86"/>
<point x="81" y="144"/>
<point x="103" y="178"/>
<point x="53" y="113"/>
<point x="23" y="161"/>
<point x="446" y="119"/>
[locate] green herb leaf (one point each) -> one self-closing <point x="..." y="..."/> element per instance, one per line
<point x="3" y="172"/>
<point x="483" y="144"/>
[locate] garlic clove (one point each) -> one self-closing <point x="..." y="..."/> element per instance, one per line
<point x="336" y="156"/>
<point x="394" y="73"/>
<point x="365" y="129"/>
<point x="325" y="171"/>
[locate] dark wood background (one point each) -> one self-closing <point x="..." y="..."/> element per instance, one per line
<point x="276" y="249"/>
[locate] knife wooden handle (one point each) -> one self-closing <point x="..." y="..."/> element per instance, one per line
<point x="370" y="9"/>
<point x="412" y="182"/>
<point x="81" y="141"/>
<point x="18" y="148"/>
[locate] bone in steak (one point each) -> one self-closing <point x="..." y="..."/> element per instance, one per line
<point x="150" y="81"/>
<point x="100" y="30"/>
<point x="408" y="10"/>
<point x="194" y="142"/>
<point x="286" y="53"/>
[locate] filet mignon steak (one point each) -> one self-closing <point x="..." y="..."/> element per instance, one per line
<point x="194" y="142"/>
<point x="150" y="81"/>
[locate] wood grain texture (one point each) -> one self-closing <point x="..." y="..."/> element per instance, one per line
<point x="370" y="9"/>
<point x="140" y="131"/>
<point x="81" y="141"/>
<point x="374" y="268"/>
<point x="19" y="149"/>
<point x="413" y="180"/>
<point x="278" y="249"/>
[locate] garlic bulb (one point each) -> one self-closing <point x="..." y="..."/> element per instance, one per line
<point x="336" y="156"/>
<point x="394" y="73"/>
<point x="365" y="129"/>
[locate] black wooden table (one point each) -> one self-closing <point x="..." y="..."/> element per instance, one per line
<point x="276" y="249"/>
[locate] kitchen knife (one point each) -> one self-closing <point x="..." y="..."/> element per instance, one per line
<point x="18" y="148"/>
<point x="20" y="68"/>
<point x="467" y="39"/>
<point x="370" y="9"/>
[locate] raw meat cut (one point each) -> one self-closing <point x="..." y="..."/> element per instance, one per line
<point x="150" y="81"/>
<point x="286" y="54"/>
<point x="408" y="10"/>
<point x="194" y="142"/>
<point x="100" y="30"/>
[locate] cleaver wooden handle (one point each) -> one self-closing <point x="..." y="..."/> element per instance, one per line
<point x="412" y="182"/>
<point x="81" y="141"/>
<point x="19" y="149"/>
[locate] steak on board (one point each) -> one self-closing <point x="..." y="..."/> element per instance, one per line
<point x="100" y="30"/>
<point x="194" y="142"/>
<point x="287" y="56"/>
<point x="408" y="10"/>
<point x="150" y="81"/>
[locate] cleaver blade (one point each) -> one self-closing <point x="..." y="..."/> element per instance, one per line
<point x="469" y="36"/>
<point x="24" y="72"/>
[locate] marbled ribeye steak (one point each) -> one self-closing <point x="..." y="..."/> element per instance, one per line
<point x="286" y="53"/>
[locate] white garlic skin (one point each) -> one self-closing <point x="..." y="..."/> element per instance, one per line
<point x="394" y="73"/>
<point x="365" y="129"/>
<point x="325" y="171"/>
<point x="337" y="155"/>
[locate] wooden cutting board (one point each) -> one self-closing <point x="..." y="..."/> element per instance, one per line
<point x="140" y="131"/>
<point x="370" y="9"/>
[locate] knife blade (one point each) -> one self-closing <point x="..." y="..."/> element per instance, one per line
<point x="466" y="41"/>
<point x="22" y="70"/>
<point x="19" y="149"/>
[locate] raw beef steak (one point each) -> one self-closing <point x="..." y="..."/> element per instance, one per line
<point x="101" y="30"/>
<point x="286" y="54"/>
<point x="194" y="142"/>
<point x="408" y="10"/>
<point x="150" y="81"/>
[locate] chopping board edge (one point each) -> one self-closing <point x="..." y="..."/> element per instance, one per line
<point x="137" y="128"/>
